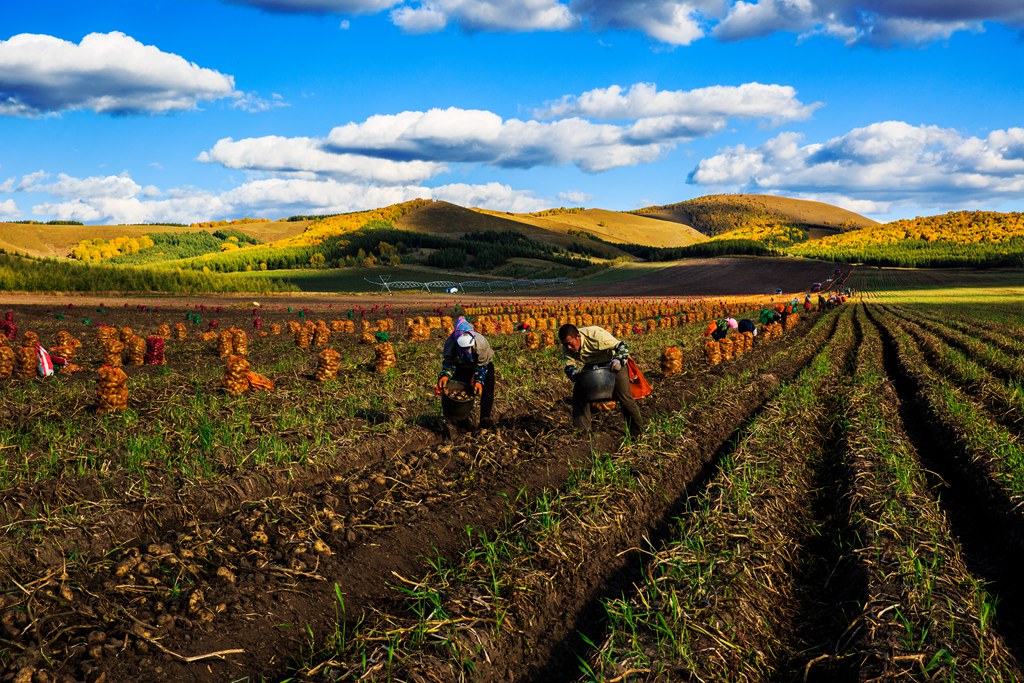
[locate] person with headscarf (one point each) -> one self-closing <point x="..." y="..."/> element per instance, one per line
<point x="467" y="357"/>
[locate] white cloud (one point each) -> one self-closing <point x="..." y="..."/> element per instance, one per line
<point x="121" y="200"/>
<point x="681" y="22"/>
<point x="319" y="6"/>
<point x="888" y="163"/>
<point x="775" y="102"/>
<point x="108" y="73"/>
<point x="494" y="196"/>
<point x="252" y="102"/>
<point x="110" y="187"/>
<point x="485" y="15"/>
<point x="9" y="210"/>
<point x="474" y="136"/>
<point x="306" y="155"/>
<point x="673" y="22"/>
<point x="877" y="23"/>
<point x="573" y="197"/>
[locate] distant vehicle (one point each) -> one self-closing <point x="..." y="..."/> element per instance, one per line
<point x="778" y="290"/>
<point x="816" y="287"/>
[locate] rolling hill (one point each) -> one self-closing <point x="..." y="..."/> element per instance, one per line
<point x="767" y="218"/>
<point x="56" y="241"/>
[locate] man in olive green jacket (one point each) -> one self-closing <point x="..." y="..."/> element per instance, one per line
<point x="591" y="346"/>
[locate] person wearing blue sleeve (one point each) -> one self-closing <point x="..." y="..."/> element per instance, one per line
<point x="468" y="357"/>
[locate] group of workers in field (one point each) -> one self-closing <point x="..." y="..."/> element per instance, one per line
<point x="467" y="357"/>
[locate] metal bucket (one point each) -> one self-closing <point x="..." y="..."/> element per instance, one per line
<point x="453" y="408"/>
<point x="594" y="383"/>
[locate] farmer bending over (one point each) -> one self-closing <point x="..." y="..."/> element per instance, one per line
<point x="467" y="357"/>
<point x="594" y="345"/>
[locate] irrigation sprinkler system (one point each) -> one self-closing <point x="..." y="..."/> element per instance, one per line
<point x="390" y="286"/>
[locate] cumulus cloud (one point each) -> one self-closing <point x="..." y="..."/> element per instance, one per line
<point x="9" y="210"/>
<point x="681" y="22"/>
<point x="108" y="73"/>
<point x="886" y="164"/>
<point x="119" y="199"/>
<point x="108" y="187"/>
<point x="474" y="136"/>
<point x="775" y="102"/>
<point x="655" y="121"/>
<point x="866" y="21"/>
<point x="300" y="155"/>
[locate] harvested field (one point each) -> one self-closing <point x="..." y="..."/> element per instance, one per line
<point x="819" y="507"/>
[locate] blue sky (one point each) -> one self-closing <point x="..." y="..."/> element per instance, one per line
<point x="193" y="110"/>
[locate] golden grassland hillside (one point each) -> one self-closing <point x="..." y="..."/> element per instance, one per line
<point x="778" y="219"/>
<point x="57" y="241"/>
<point x="450" y="219"/>
<point x="957" y="238"/>
<point x="612" y="226"/>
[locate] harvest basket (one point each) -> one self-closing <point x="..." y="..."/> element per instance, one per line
<point x="457" y="400"/>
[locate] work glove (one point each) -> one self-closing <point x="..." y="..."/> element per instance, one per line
<point x="442" y="382"/>
<point x="478" y="388"/>
<point x="571" y="371"/>
<point x="616" y="365"/>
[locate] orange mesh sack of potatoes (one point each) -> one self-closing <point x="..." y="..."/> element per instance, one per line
<point x="790" y="321"/>
<point x="727" y="349"/>
<point x="671" y="361"/>
<point x="418" y="332"/>
<point x="327" y="365"/>
<point x="385" y="357"/>
<point x="209" y="336"/>
<point x="136" y="350"/>
<point x="275" y="328"/>
<point x="64" y="338"/>
<point x="105" y="332"/>
<point x="163" y="330"/>
<point x="26" y="361"/>
<point x="180" y="332"/>
<point x="337" y="326"/>
<point x="712" y="353"/>
<point x="321" y="335"/>
<point x="547" y="339"/>
<point x="239" y="341"/>
<point x="112" y="350"/>
<point x="368" y="338"/>
<point x="235" y="380"/>
<point x="748" y="340"/>
<point x="111" y="390"/>
<point x="6" y="361"/>
<point x="30" y="339"/>
<point x="225" y="344"/>
<point x="532" y="340"/>
<point x="125" y="333"/>
<point x="303" y="336"/>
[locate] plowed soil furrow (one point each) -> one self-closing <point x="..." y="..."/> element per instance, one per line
<point x="924" y="612"/>
<point x="587" y="623"/>
<point x="267" y="586"/>
<point x="830" y="578"/>
<point x="747" y="536"/>
<point x="984" y="521"/>
<point x="1003" y="402"/>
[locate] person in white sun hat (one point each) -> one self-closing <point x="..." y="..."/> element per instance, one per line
<point x="467" y="357"/>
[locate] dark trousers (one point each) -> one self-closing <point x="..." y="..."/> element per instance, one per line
<point x="465" y="374"/>
<point x="621" y="394"/>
